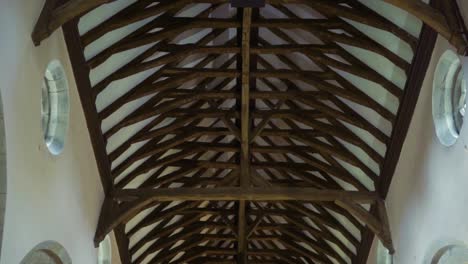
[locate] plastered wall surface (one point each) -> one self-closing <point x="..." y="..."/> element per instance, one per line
<point x="49" y="198"/>
<point x="428" y="201"/>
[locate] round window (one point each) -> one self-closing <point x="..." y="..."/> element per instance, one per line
<point x="448" y="98"/>
<point x="55" y="107"/>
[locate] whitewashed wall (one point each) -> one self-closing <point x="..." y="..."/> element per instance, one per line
<point x="49" y="198"/>
<point x="428" y="199"/>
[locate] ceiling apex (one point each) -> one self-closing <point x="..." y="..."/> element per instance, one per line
<point x="247" y="3"/>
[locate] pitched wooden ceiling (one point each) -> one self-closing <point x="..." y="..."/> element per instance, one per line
<point x="248" y="135"/>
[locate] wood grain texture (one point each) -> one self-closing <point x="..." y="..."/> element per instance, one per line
<point x="413" y="88"/>
<point x="247" y="141"/>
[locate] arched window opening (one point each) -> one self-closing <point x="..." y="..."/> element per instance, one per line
<point x="55" y="107"/>
<point x="49" y="252"/>
<point x="449" y="98"/>
<point x="453" y="254"/>
<point x="105" y="251"/>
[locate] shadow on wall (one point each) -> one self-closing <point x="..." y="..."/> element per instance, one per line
<point x="3" y="180"/>
<point x="49" y="252"/>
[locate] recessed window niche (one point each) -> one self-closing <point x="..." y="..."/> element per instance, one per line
<point x="453" y="254"/>
<point x="48" y="252"/>
<point x="105" y="251"/>
<point x="449" y="98"/>
<point x="383" y="255"/>
<point x="55" y="107"/>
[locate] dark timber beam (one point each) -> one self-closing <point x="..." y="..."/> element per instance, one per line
<point x="123" y="244"/>
<point x="223" y="105"/>
<point x="408" y="104"/>
<point x="83" y="84"/>
<point x="435" y="19"/>
<point x="53" y="17"/>
<point x="245" y="130"/>
<point x="247" y="3"/>
<point x="146" y="196"/>
<point x="379" y="226"/>
<point x="135" y="200"/>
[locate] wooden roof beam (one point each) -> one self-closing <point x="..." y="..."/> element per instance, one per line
<point x="129" y="205"/>
<point x="122" y="244"/>
<point x="145" y="196"/>
<point x="378" y="225"/>
<point x="348" y="135"/>
<point x="420" y="65"/>
<point x="150" y="103"/>
<point x="139" y="199"/>
<point x="135" y="12"/>
<point x="357" y="95"/>
<point x="362" y="14"/>
<point x="54" y="15"/>
<point x="138" y="64"/>
<point x="435" y="19"/>
<point x="311" y="179"/>
<point x="320" y="246"/>
<point x="164" y="231"/>
<point x="245" y="178"/>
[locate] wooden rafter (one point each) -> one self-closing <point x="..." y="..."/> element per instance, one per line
<point x="84" y="89"/>
<point x="58" y="12"/>
<point x="139" y="199"/>
<point x="54" y="15"/>
<point x="245" y="177"/>
<point x="414" y="84"/>
<point x="436" y="20"/>
<point x="243" y="193"/>
<point x="228" y="139"/>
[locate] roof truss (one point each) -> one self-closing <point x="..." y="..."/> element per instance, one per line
<point x="57" y="12"/>
<point x="231" y="147"/>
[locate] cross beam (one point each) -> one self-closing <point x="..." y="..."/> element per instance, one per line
<point x="147" y="196"/>
<point x="133" y="201"/>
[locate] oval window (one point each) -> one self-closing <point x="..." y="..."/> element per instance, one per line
<point x="55" y="107"/>
<point x="448" y="98"/>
